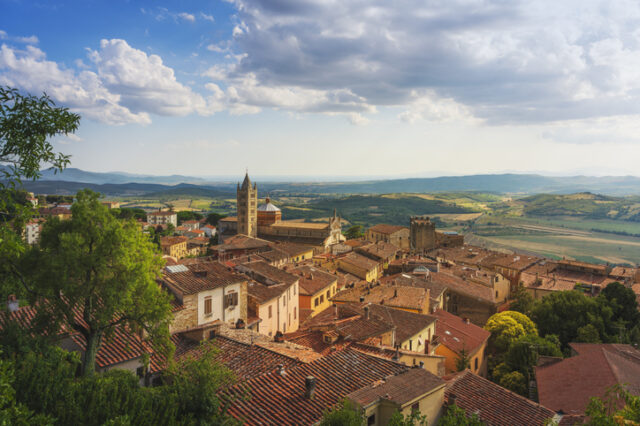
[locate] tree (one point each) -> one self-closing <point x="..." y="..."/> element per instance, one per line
<point x="564" y="312"/>
<point x="506" y="327"/>
<point x="188" y="215"/>
<point x="463" y="360"/>
<point x="607" y="412"/>
<point x="523" y="302"/>
<point x="354" y="232"/>
<point x="456" y="416"/>
<point x="93" y="273"/>
<point x="214" y="218"/>
<point x="588" y="334"/>
<point x="26" y="125"/>
<point x="514" y="381"/>
<point x="346" y="414"/>
<point x="415" y="418"/>
<point x="622" y="301"/>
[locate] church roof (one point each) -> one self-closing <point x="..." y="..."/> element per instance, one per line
<point x="268" y="207"/>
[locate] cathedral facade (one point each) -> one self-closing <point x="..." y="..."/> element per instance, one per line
<point x="265" y="221"/>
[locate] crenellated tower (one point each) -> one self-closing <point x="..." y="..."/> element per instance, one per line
<point x="247" y="205"/>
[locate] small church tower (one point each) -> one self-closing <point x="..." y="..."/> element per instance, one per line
<point x="247" y="205"/>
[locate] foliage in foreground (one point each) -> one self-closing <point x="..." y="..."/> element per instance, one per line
<point x="606" y="412"/>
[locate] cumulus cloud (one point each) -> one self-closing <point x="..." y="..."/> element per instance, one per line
<point x="503" y="62"/>
<point x="187" y="16"/>
<point x="120" y="85"/>
<point x="83" y="92"/>
<point x="142" y="81"/>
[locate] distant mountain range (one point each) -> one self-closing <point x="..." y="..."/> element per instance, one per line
<point x="122" y="184"/>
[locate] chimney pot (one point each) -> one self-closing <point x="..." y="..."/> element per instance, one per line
<point x="366" y="312"/>
<point x="12" y="303"/>
<point x="309" y="386"/>
<point x="395" y="292"/>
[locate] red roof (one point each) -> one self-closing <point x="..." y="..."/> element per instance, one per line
<point x="494" y="404"/>
<point x="279" y="399"/>
<point x="568" y="385"/>
<point x="454" y="333"/>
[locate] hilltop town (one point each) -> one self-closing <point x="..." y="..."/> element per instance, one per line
<point x="401" y="319"/>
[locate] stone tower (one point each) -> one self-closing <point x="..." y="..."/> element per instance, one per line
<point x="247" y="198"/>
<point x="423" y="234"/>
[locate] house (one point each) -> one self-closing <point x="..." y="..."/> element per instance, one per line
<point x="412" y="391"/>
<point x="300" y="395"/>
<point x="317" y="287"/>
<point x="493" y="404"/>
<point x="175" y="247"/>
<point x="123" y="350"/>
<point x="240" y="245"/>
<point x="192" y="225"/>
<point x="510" y="266"/>
<point x="296" y="252"/>
<point x="111" y="204"/>
<point x="381" y="252"/>
<point x="163" y="218"/>
<point x="396" y="235"/>
<point x="455" y="335"/>
<point x="437" y="291"/>
<point x="209" y="230"/>
<point x="593" y="368"/>
<point x="61" y="213"/>
<point x="411" y="299"/>
<point x="273" y="297"/>
<point x="32" y="231"/>
<point x="205" y="292"/>
<point x="547" y="277"/>
<point x="360" y="266"/>
<point x="193" y="233"/>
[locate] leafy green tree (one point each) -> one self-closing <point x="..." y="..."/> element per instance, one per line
<point x="129" y="213"/>
<point x="523" y="301"/>
<point x="183" y="216"/>
<point x="506" y="327"/>
<point x="456" y="416"/>
<point x="346" y="414"/>
<point x="588" y="334"/>
<point x="623" y="302"/>
<point x="564" y="312"/>
<point x="463" y="360"/>
<point x="354" y="232"/>
<point x="413" y="419"/>
<point x="93" y="273"/>
<point x="214" y="218"/>
<point x="515" y="381"/>
<point x="27" y="123"/>
<point x="607" y="411"/>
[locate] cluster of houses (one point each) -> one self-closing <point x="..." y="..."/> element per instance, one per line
<point x="381" y="321"/>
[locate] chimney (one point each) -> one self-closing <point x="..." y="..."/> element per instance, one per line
<point x="335" y="310"/>
<point x="422" y="364"/>
<point x="281" y="370"/>
<point x="309" y="387"/>
<point x="395" y="292"/>
<point x="366" y="312"/>
<point x="466" y="320"/>
<point x="12" y="303"/>
<point x="361" y="299"/>
<point x="396" y="356"/>
<point x="452" y="399"/>
<point x="240" y="324"/>
<point x="438" y="266"/>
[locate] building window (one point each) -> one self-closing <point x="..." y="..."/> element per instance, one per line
<point x="231" y="299"/>
<point x="476" y="364"/>
<point x="496" y="294"/>
<point x="328" y="294"/>
<point x="284" y="300"/>
<point x="371" y="420"/>
<point x="321" y="298"/>
<point x="315" y="303"/>
<point x="208" y="306"/>
<point x="270" y="311"/>
<point x="294" y="313"/>
<point x="294" y="290"/>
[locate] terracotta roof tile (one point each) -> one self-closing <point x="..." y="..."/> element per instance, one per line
<point x="199" y="277"/>
<point x="383" y="228"/>
<point x="494" y="404"/>
<point x="276" y="399"/>
<point x="313" y="280"/>
<point x="454" y="333"/>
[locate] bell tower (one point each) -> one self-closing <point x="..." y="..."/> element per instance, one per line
<point x="247" y="205"/>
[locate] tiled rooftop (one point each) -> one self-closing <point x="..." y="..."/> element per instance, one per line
<point x="279" y="399"/>
<point x="494" y="404"/>
<point x="383" y="228"/>
<point x="200" y="277"/>
<point x="313" y="280"/>
<point x="454" y="333"/>
<point x="267" y="274"/>
<point x="389" y="295"/>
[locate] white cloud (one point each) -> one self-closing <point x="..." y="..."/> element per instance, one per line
<point x="216" y="48"/>
<point x="206" y="17"/>
<point x="142" y="81"/>
<point x="187" y="16"/>
<point x="504" y="62"/>
<point x="83" y="92"/>
<point x="3" y="35"/>
<point x="29" y="40"/>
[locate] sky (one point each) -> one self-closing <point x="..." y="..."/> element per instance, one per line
<point x="324" y="88"/>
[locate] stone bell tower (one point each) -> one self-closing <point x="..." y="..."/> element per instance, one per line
<point x="247" y="205"/>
